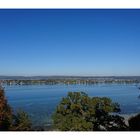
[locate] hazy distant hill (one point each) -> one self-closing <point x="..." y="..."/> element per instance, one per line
<point x="66" y="77"/>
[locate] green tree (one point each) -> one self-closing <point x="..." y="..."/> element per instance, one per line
<point x="104" y="117"/>
<point x="21" y="121"/>
<point x="10" y="121"/>
<point x="79" y="112"/>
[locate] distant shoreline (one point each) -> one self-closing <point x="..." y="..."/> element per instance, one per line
<point x="3" y="77"/>
<point x="68" y="80"/>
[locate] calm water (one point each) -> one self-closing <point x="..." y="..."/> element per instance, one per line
<point x="40" y="101"/>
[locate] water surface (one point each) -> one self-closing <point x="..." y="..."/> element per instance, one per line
<point x="40" y="101"/>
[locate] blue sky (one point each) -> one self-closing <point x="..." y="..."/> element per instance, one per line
<point x="70" y="42"/>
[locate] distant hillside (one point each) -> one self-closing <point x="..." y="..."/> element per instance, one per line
<point x="66" y="77"/>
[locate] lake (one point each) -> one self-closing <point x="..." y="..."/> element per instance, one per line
<point x="40" y="101"/>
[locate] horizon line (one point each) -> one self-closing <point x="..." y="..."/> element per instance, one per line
<point x="69" y="75"/>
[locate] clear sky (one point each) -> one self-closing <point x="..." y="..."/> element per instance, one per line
<point x="70" y="42"/>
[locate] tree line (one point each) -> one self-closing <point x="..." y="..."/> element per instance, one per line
<point x="76" y="112"/>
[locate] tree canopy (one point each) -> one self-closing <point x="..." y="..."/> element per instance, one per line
<point x="22" y="121"/>
<point x="5" y="112"/>
<point x="79" y="112"/>
<point x="9" y="120"/>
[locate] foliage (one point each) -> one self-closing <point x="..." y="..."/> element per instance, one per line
<point x="79" y="112"/>
<point x="105" y="118"/>
<point x="9" y="121"/>
<point x="21" y="121"/>
<point x="5" y="112"/>
<point x="134" y="123"/>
